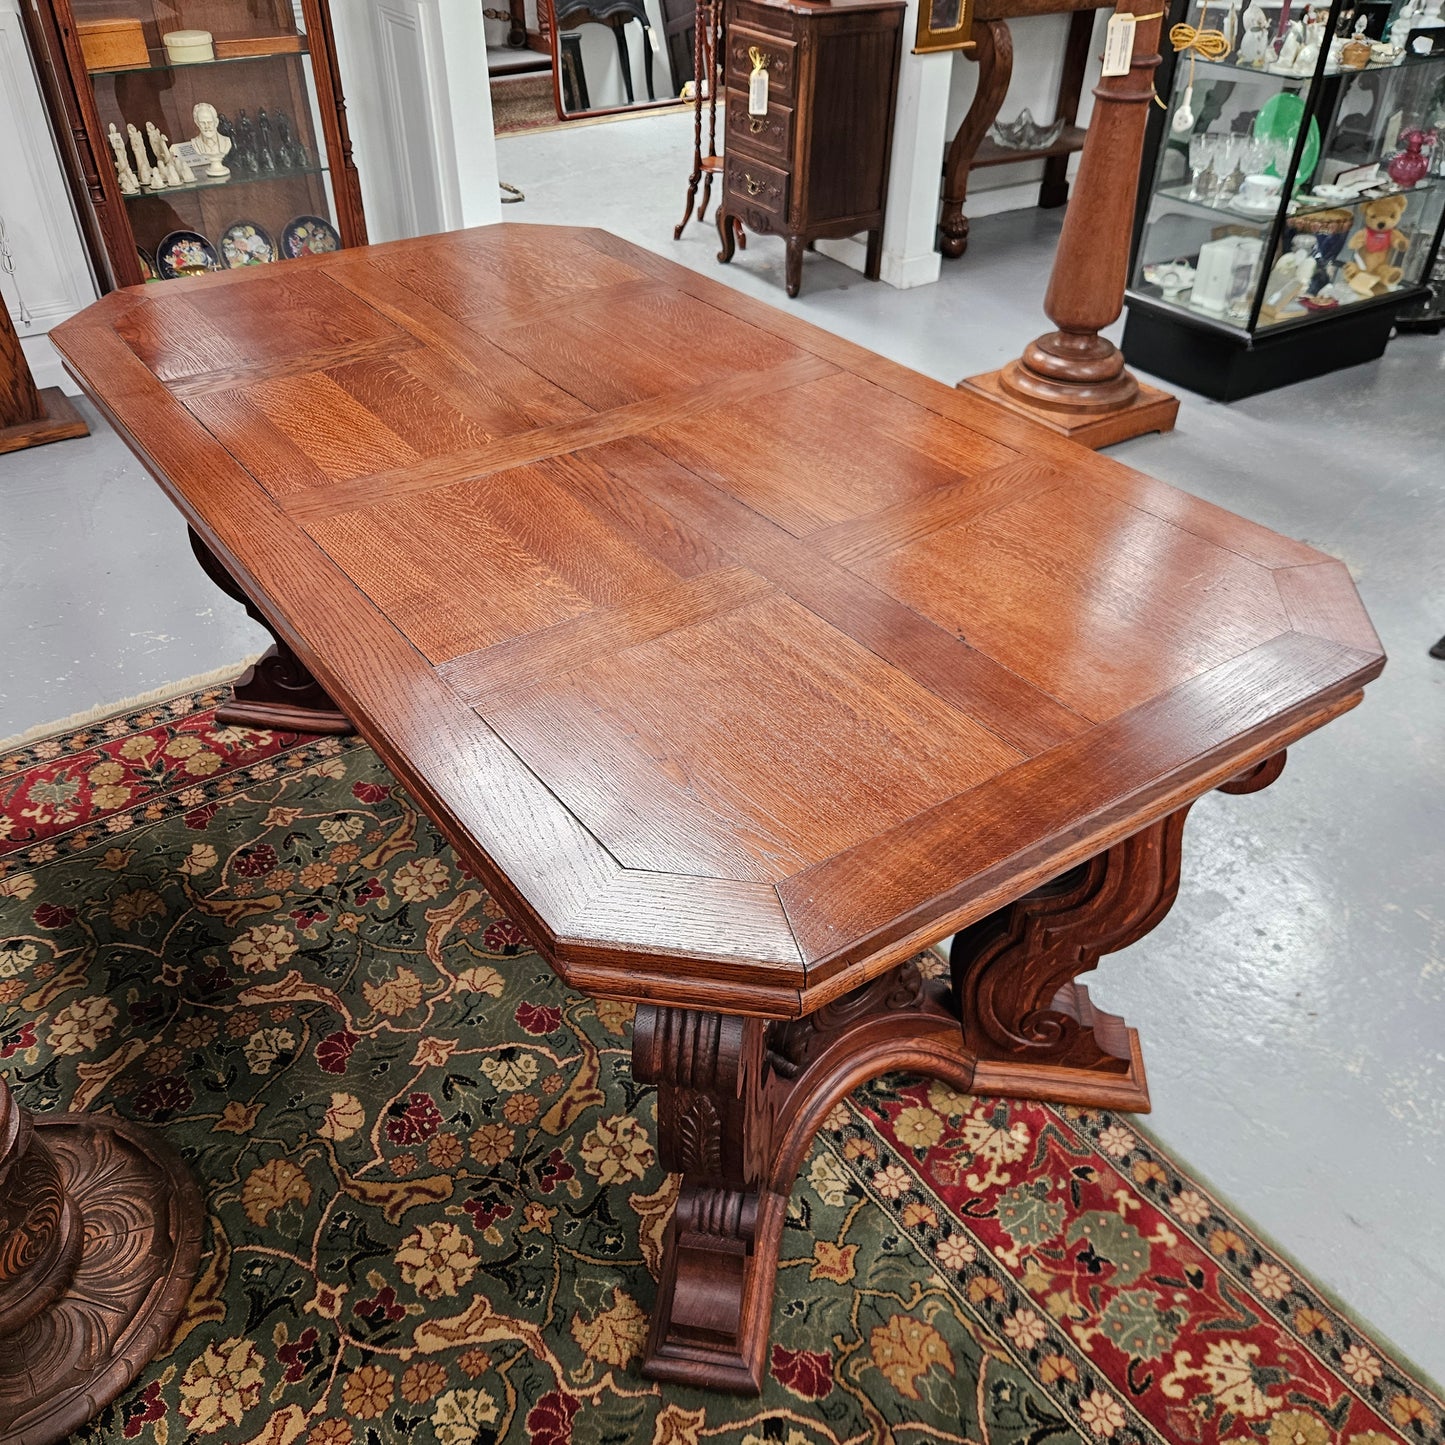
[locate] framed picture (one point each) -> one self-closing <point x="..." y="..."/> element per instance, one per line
<point x="943" y="25"/>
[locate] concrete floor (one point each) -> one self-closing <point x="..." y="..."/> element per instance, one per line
<point x="1293" y="1004"/>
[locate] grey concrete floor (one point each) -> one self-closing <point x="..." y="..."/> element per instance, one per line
<point x="1293" y="1004"/>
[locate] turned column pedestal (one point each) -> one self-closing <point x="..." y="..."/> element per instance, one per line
<point x="739" y="1099"/>
<point x="1073" y="380"/>
<point x="100" y="1238"/>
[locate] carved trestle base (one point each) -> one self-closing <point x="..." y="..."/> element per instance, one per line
<point x="739" y="1099"/>
<point x="277" y="690"/>
<point x="100" y="1238"/>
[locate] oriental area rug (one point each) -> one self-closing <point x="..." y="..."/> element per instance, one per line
<point x="435" y="1209"/>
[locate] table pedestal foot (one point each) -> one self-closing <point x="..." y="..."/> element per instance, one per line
<point x="739" y="1101"/>
<point x="1031" y="1027"/>
<point x="100" y="1238"/>
<point x="277" y="690"/>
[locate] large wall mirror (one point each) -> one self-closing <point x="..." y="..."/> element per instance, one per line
<point x="616" y="55"/>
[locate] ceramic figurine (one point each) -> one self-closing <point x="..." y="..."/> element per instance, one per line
<point x="245" y="152"/>
<point x="1291" y="276"/>
<point x="142" y="161"/>
<point x="209" y="142"/>
<point x="129" y="185"/>
<point x="1430" y="16"/>
<point x="1411" y="165"/>
<point x="289" y="146"/>
<point x="1404" y="22"/>
<point x="1254" y="48"/>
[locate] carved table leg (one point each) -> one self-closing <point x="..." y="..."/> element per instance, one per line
<point x="994" y="51"/>
<point x="100" y="1237"/>
<point x="726" y="233"/>
<point x="276" y="691"/>
<point x="740" y="1099"/>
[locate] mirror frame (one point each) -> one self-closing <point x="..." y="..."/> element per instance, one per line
<point x="951" y="37"/>
<point x="547" y="22"/>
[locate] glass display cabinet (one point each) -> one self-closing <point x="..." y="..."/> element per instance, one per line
<point x="1293" y="193"/>
<point x="206" y="134"/>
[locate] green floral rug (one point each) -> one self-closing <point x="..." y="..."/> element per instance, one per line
<point x="435" y="1205"/>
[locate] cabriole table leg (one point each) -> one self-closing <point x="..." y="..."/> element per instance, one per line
<point x="277" y="690"/>
<point x="100" y="1237"/>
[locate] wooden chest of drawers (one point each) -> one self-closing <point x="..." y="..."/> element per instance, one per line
<point x="816" y="164"/>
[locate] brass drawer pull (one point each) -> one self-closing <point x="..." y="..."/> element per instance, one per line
<point x="756" y="124"/>
<point x="753" y="186"/>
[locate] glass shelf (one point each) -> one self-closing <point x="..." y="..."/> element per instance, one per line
<point x="234" y="181"/>
<point x="156" y="65"/>
<point x="1220" y="69"/>
<point x="1179" y="198"/>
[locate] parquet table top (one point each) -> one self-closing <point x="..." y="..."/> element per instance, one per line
<point x="737" y="660"/>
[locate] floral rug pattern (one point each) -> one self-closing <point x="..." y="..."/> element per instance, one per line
<point x="435" y="1207"/>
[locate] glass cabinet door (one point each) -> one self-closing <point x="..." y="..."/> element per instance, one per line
<point x="1285" y="196"/>
<point x="213" y="124"/>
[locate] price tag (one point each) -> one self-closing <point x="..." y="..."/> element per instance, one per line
<point x="1118" y="45"/>
<point x="758" y="82"/>
<point x="651" y="35"/>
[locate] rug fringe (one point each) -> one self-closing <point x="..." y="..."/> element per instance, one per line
<point x="101" y="710"/>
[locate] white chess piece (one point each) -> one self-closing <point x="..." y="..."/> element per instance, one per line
<point x="142" y="160"/>
<point x="187" y="175"/>
<point x="1402" y="24"/>
<point x="208" y="141"/>
<point x="123" y="173"/>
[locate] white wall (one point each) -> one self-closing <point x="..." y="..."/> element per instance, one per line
<point x="420" y="113"/>
<point x="52" y="272"/>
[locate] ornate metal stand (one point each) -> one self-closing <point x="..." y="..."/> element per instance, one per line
<point x="100" y="1238"/>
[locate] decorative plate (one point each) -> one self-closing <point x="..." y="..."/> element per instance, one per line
<point x="147" y="266"/>
<point x="309" y="236"/>
<point x="186" y="253"/>
<point x="244" y="243"/>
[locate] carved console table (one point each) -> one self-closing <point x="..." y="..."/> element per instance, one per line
<point x="739" y="663"/>
<point x="971" y="147"/>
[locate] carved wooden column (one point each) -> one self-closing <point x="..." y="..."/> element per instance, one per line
<point x="30" y="418"/>
<point x="277" y="690"/>
<point x="100" y="1237"/>
<point x="1073" y="380"/>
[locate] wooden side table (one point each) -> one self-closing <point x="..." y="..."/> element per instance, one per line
<point x="971" y="147"/>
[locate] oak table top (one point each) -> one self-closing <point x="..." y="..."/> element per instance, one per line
<point x="739" y="662"/>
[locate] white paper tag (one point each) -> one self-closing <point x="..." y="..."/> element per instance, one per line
<point x="758" y="92"/>
<point x="1118" y="45"/>
<point x="656" y="43"/>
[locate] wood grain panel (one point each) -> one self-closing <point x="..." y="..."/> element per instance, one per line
<point x="1096" y="603"/>
<point x="1321" y="599"/>
<point x="615" y="348"/>
<point x="779" y="453"/>
<point x="1067" y="804"/>
<point x="647" y="742"/>
<point x="553" y="440"/>
<point x="470" y="566"/>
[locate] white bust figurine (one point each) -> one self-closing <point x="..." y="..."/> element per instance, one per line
<point x="209" y="141"/>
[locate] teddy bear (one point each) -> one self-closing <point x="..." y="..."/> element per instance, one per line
<point x="1374" y="244"/>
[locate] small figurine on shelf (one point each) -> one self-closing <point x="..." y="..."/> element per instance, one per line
<point x="265" y="155"/>
<point x="1404" y="22"/>
<point x="1254" y="48"/>
<point x="129" y="185"/>
<point x="209" y="142"/>
<point x="1374" y="246"/>
<point x="290" y="153"/>
<point x="177" y="173"/>
<point x="150" y="178"/>
<point x="245" y="152"/>
<point x="1411" y="165"/>
<point x="1290" y="277"/>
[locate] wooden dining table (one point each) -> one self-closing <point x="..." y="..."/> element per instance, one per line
<point x="741" y="664"/>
